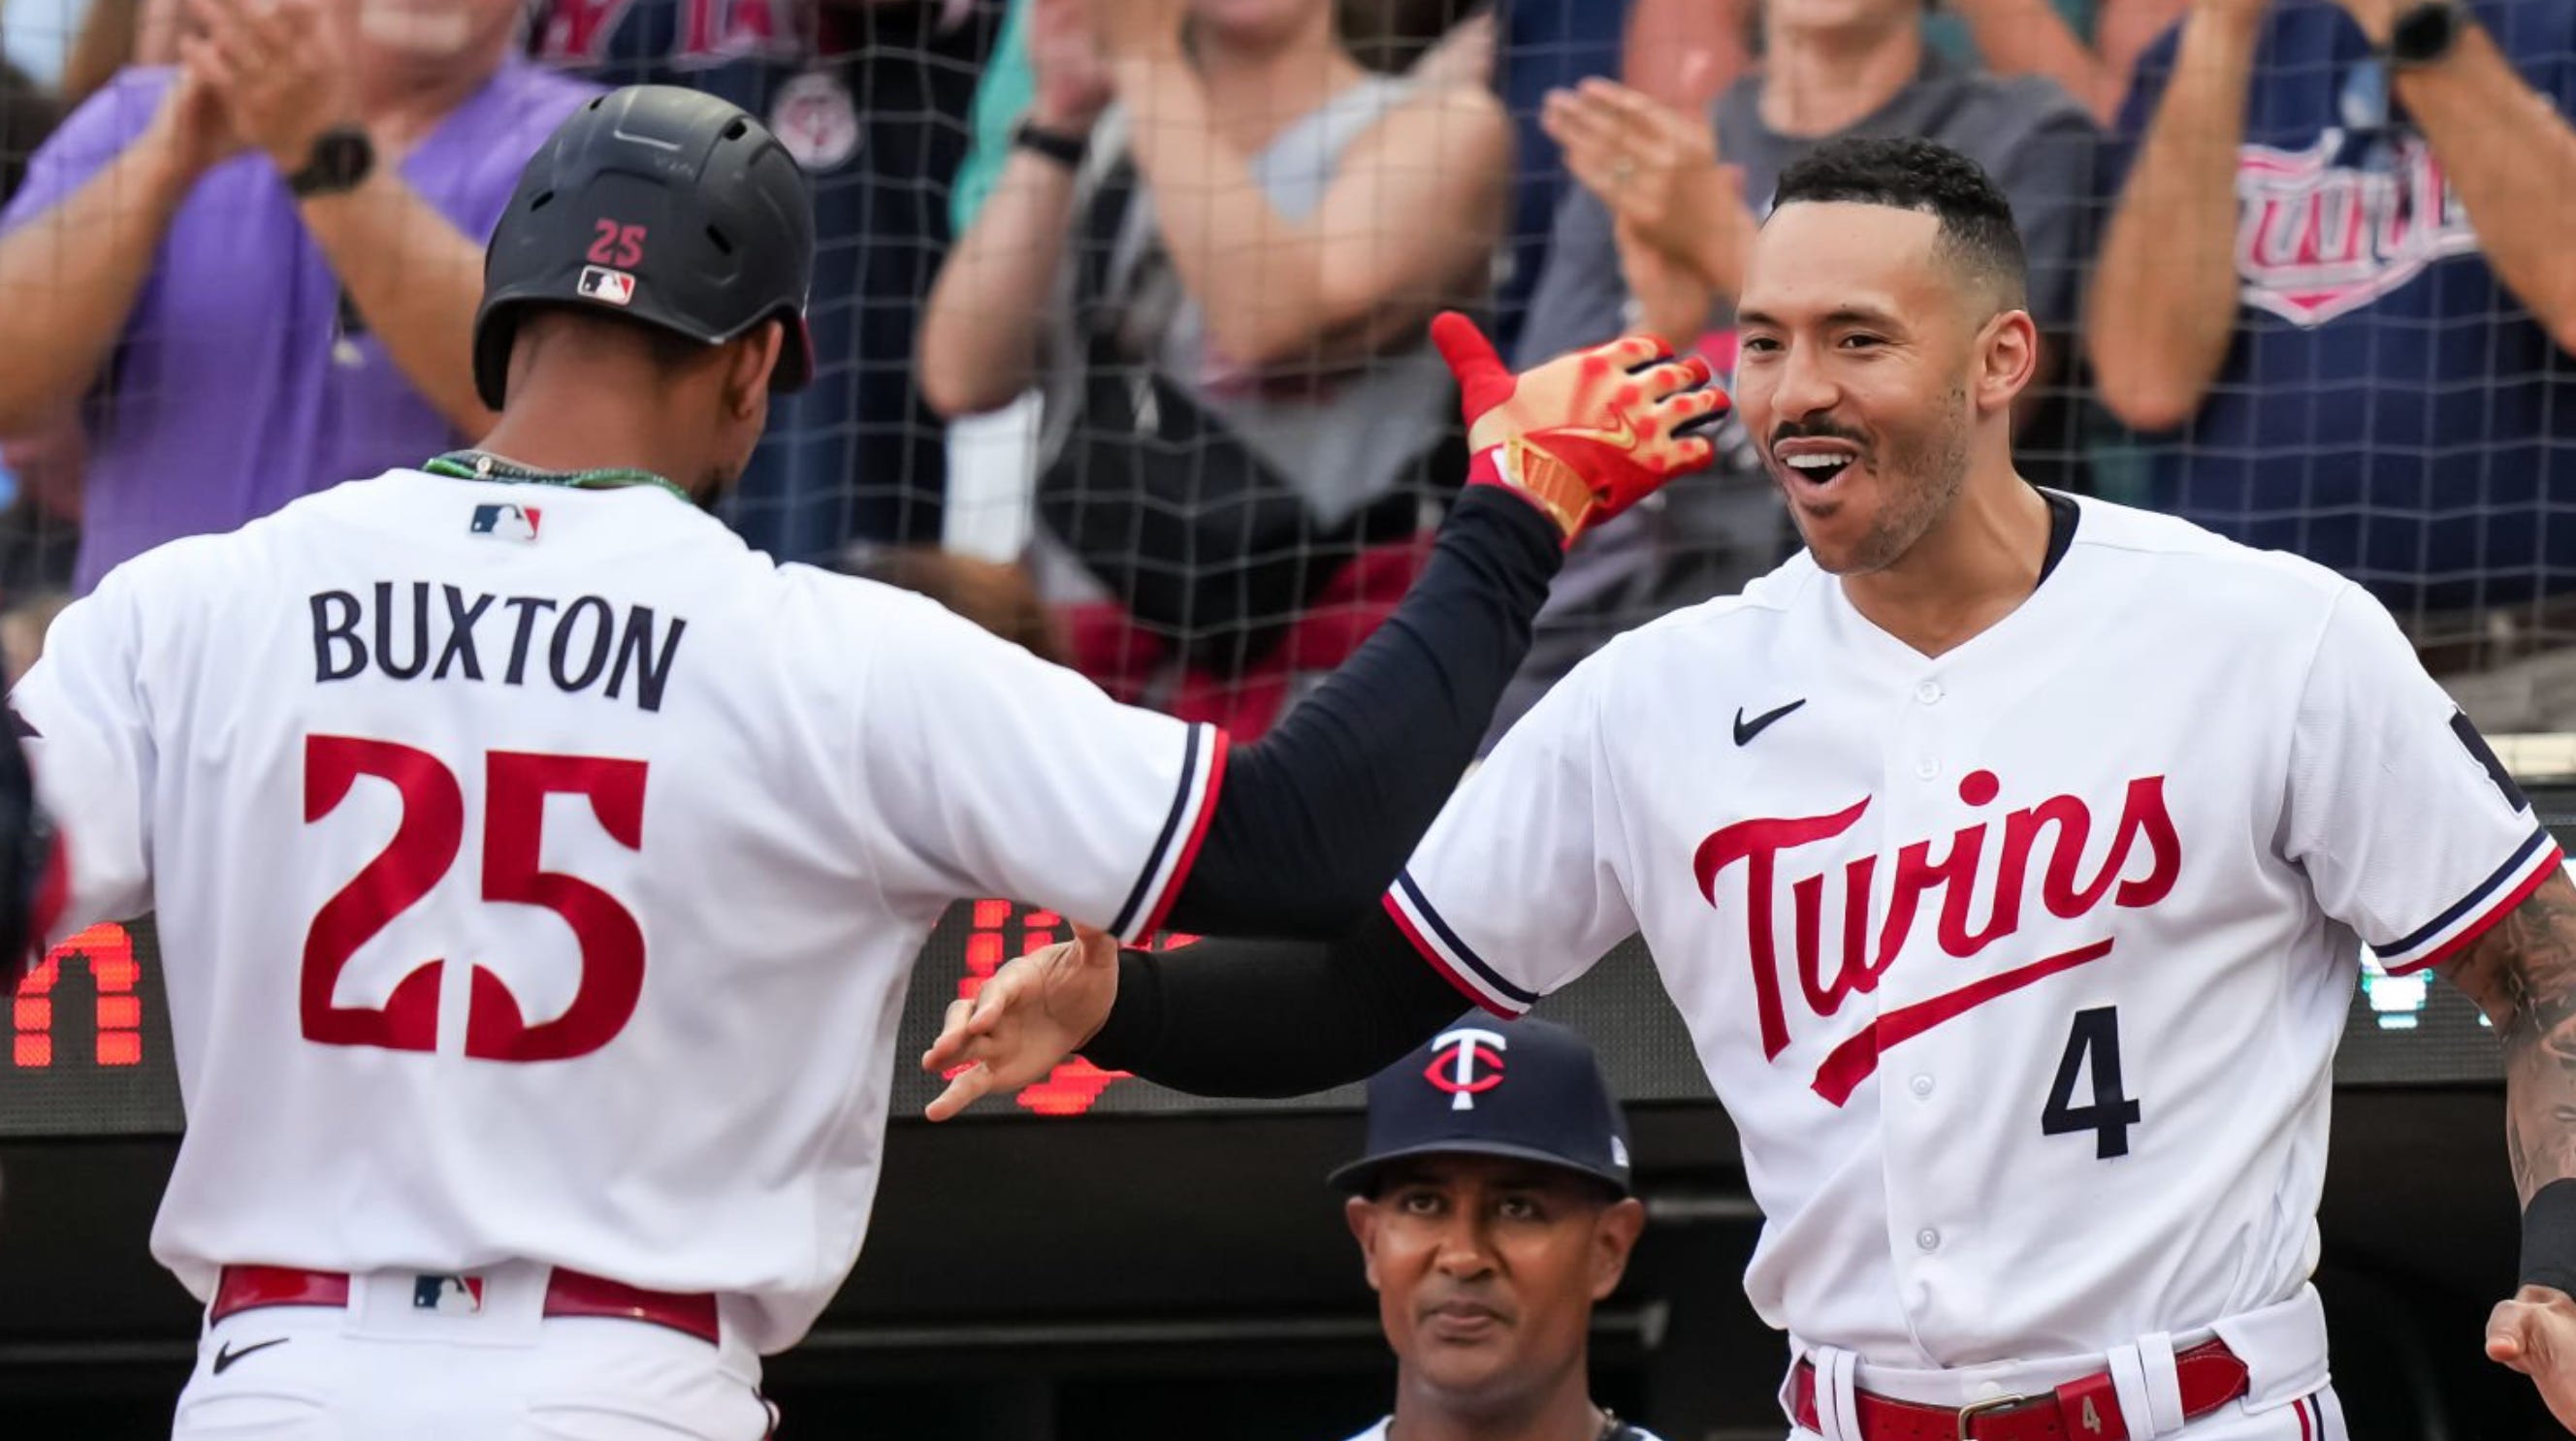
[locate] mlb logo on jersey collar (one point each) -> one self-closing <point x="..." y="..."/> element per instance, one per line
<point x="448" y="1295"/>
<point x="505" y="522"/>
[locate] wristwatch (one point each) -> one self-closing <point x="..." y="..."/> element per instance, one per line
<point x="2425" y="32"/>
<point x="1065" y="150"/>
<point x="342" y="158"/>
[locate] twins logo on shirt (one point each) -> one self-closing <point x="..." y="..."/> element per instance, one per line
<point x="1763" y="847"/>
<point x="2315" y="240"/>
<point x="708" y="32"/>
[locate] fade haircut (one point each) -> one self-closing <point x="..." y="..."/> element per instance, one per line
<point x="1977" y="235"/>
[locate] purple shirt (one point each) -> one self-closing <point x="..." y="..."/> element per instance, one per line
<point x="227" y="396"/>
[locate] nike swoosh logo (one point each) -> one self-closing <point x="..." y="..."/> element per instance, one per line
<point x="1746" y="730"/>
<point x="225" y="1355"/>
<point x="1624" y="437"/>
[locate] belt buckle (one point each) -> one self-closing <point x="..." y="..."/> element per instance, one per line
<point x="1969" y="1413"/>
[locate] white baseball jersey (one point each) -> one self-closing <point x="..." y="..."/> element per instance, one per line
<point x="539" y="872"/>
<point x="2020" y="969"/>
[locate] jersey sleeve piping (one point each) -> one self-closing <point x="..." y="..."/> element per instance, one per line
<point x="1460" y="966"/>
<point x="2508" y="886"/>
<point x="1176" y="848"/>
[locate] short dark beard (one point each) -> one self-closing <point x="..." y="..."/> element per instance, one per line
<point x="1933" y="469"/>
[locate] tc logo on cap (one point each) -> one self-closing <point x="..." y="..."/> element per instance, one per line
<point x="1466" y="1063"/>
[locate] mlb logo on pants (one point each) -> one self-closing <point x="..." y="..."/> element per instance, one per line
<point x="448" y="1295"/>
<point x="507" y="522"/>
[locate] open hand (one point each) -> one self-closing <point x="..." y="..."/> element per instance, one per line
<point x="191" y="125"/>
<point x="2535" y="1334"/>
<point x="1655" y="168"/>
<point x="1586" y="435"/>
<point x="1033" y="1013"/>
<point x="279" y="69"/>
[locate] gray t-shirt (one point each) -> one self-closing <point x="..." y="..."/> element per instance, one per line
<point x="2029" y="134"/>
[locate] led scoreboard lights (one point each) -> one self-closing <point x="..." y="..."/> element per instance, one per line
<point x="116" y="976"/>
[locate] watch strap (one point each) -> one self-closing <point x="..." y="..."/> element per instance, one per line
<point x="1065" y="150"/>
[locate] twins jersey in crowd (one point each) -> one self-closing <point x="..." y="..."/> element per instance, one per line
<point x="539" y="872"/>
<point x="2387" y="407"/>
<point x="2019" y="970"/>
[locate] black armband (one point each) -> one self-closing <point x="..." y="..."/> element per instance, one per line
<point x="2549" y="1237"/>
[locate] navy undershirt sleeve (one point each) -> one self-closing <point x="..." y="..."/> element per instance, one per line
<point x="1315" y="818"/>
<point x="1273" y="1018"/>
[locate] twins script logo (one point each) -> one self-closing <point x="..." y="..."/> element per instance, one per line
<point x="1466" y="1063"/>
<point x="2315" y="240"/>
<point x="706" y="32"/>
<point x="1764" y="847"/>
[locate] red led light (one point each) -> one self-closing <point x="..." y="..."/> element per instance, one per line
<point x="109" y="953"/>
<point x="1002" y="931"/>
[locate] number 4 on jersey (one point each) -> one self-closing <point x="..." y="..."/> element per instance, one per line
<point x="2095" y="1038"/>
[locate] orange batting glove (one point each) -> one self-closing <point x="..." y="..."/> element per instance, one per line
<point x="1586" y="435"/>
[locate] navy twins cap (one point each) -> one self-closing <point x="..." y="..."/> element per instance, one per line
<point x="1531" y="1090"/>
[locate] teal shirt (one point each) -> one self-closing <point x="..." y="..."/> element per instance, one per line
<point x="1000" y="99"/>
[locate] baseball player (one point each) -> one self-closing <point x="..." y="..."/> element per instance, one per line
<point x="1493" y="1212"/>
<point x="2009" y="856"/>
<point x="539" y="869"/>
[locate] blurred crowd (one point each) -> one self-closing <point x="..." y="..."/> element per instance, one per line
<point x="1120" y="312"/>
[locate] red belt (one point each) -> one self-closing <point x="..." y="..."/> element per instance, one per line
<point x="568" y="1293"/>
<point x="2085" y="1409"/>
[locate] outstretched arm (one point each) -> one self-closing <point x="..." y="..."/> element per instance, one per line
<point x="2522" y="973"/>
<point x="1338" y="793"/>
<point x="2164" y="289"/>
<point x="1220" y="1018"/>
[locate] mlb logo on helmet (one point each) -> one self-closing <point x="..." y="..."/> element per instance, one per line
<point x="1466" y="1063"/>
<point x="505" y="522"/>
<point x="447" y="1295"/>
<point x="609" y="287"/>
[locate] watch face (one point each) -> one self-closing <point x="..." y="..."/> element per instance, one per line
<point x="342" y="156"/>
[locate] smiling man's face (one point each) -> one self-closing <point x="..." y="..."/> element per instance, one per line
<point x="1859" y="349"/>
<point x="1487" y="1269"/>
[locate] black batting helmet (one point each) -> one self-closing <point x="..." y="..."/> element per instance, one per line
<point x="665" y="206"/>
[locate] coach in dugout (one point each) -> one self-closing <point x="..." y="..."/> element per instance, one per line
<point x="259" y="267"/>
<point x="2337" y="285"/>
<point x="1493" y="1213"/>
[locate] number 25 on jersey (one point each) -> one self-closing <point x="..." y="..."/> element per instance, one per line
<point x="417" y="860"/>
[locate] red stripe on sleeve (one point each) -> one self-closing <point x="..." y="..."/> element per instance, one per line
<point x="1440" y="963"/>
<point x="1198" y="835"/>
<point x="2550" y="864"/>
